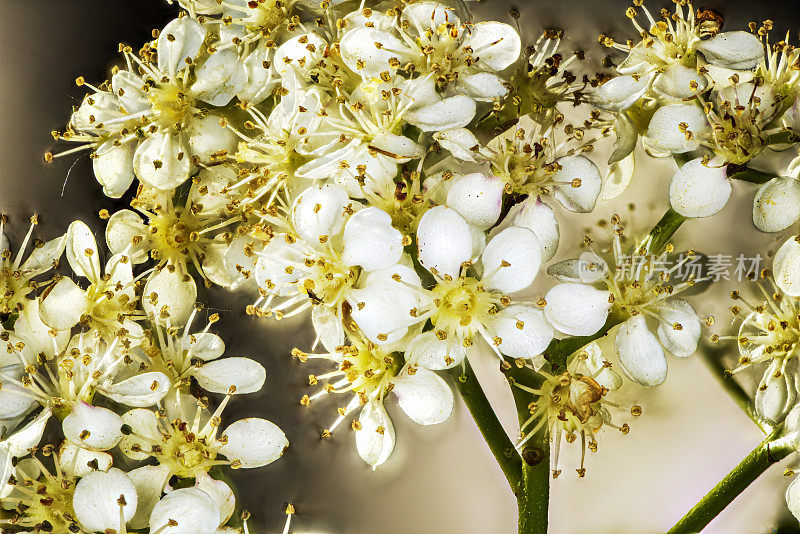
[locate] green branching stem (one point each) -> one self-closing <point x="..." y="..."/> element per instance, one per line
<point x="745" y="174"/>
<point x="767" y="453"/>
<point x="486" y="420"/>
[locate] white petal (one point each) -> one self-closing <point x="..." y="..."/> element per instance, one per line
<point x="300" y="54"/>
<point x="423" y="396"/>
<point x="478" y="198"/>
<point x="79" y="462"/>
<point x="219" y="77"/>
<point x="793" y="498"/>
<point x="737" y="50"/>
<point x="122" y="229"/>
<point x="576" y="309"/>
<point x="776" y="205"/>
<point x="640" y="354"/>
<point x="428" y="351"/>
<point x="328" y="327"/>
<point x="97" y="497"/>
<point x="370" y="241"/>
<point x="139" y="391"/>
<point x="246" y="375"/>
<point x="14" y="400"/>
<point x="520" y="331"/>
<point x="626" y="134"/>
<point x="194" y="511"/>
<point x="62" y="305"/>
<point x="144" y="430"/>
<point x="320" y="211"/>
<point x="460" y="142"/>
<point x="169" y="296"/>
<point x="262" y="76"/>
<point x="383" y="310"/>
<point x="444" y="241"/>
<point x="30" y="327"/>
<point x="775" y="396"/>
<point x="254" y="442"/>
<point x="149" y="481"/>
<point x="362" y="56"/>
<point x="23" y="440"/>
<point x="482" y="86"/>
<point x="578" y="183"/>
<point x="618" y="178"/>
<point x="496" y="45"/>
<point x="82" y="253"/>
<point x="621" y="92"/>
<point x="206" y="346"/>
<point x="129" y="88"/>
<point x="45" y="257"/>
<point x="376" y="438"/>
<point x="209" y="142"/>
<point x="680" y="82"/>
<point x="178" y="41"/>
<point x="681" y="342"/>
<point x="668" y="129"/>
<point x="162" y="161"/>
<point x="454" y="112"/>
<point x="398" y="147"/>
<point x="428" y="15"/>
<point x="113" y="167"/>
<point x="540" y="219"/>
<point x="599" y="367"/>
<point x="786" y="267"/>
<point x="220" y="492"/>
<point x="699" y="191"/>
<point x="92" y="427"/>
<point x="511" y="260"/>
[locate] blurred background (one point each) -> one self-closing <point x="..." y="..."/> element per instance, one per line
<point x="441" y="479"/>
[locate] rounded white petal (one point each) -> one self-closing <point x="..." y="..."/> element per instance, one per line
<point x="21" y="441"/>
<point x="668" y="129"/>
<point x="621" y="92"/>
<point x="453" y="112"/>
<point x="62" y="305"/>
<point x="497" y="45"/>
<point x="618" y="178"/>
<point x="428" y="351"/>
<point x="219" y="78"/>
<point x="793" y="498"/>
<point x="776" y="205"/>
<point x="444" y="241"/>
<point x="482" y="86"/>
<point x="194" y="511"/>
<point x="143" y="431"/>
<point x="639" y="352"/>
<point x="578" y="183"/>
<point x="79" y="462"/>
<point x="423" y="396"/>
<point x="370" y="240"/>
<point x="113" y="167"/>
<point x="540" y="219"/>
<point x="244" y="374"/>
<point x="169" y="296"/>
<point x="328" y="327"/>
<point x="681" y="341"/>
<point x="478" y="198"/>
<point x="14" y="400"/>
<point x="98" y="498"/>
<point x="209" y="141"/>
<point x="376" y="438"/>
<point x="460" y="142"/>
<point x="520" y="331"/>
<point x="220" y="492"/>
<point x="320" y="211"/>
<point x="511" y="260"/>
<point x="163" y="161"/>
<point x="122" y="229"/>
<point x="92" y="427"/>
<point x="362" y="56"/>
<point x="178" y="41"/>
<point x="82" y="253"/>
<point x="254" y="442"/>
<point x="139" y="391"/>
<point x="786" y="267"/>
<point x="398" y="147"/>
<point x="775" y="395"/>
<point x="737" y="50"/>
<point x="206" y="346"/>
<point x="149" y="481"/>
<point x="680" y="82"/>
<point x="382" y="310"/>
<point x="699" y="191"/>
<point x="599" y="367"/>
<point x="576" y="309"/>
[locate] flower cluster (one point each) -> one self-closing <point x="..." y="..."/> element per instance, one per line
<point x="87" y="355"/>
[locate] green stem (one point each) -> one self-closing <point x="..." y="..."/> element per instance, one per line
<point x="664" y="229"/>
<point x="745" y="174"/>
<point x="490" y="427"/>
<point x="767" y="453"/>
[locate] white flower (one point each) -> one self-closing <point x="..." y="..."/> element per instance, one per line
<point x="627" y="280"/>
<point x="430" y="39"/>
<point x="319" y="261"/>
<point x="108" y="306"/>
<point x="776" y="205"/>
<point x="186" y="438"/>
<point x="573" y="404"/>
<point x="17" y="272"/>
<point x="468" y="298"/>
<point x="104" y="501"/>
<point x="151" y="125"/>
<point x="367" y="374"/>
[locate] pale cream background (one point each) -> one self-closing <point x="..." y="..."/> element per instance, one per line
<point x="441" y="479"/>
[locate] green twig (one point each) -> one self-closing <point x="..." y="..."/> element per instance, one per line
<point x="487" y="422"/>
<point x="664" y="229"/>
<point x="745" y="174"/>
<point x="767" y="453"/>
